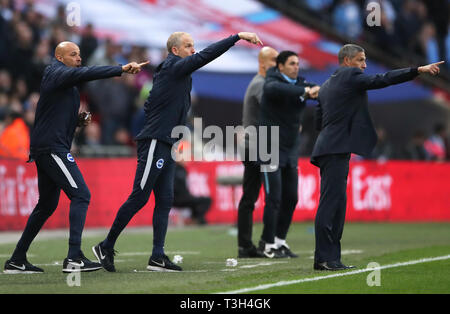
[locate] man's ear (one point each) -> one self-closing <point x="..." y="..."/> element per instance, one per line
<point x="346" y="61"/>
<point x="280" y="67"/>
<point x="175" y="50"/>
<point x="59" y="58"/>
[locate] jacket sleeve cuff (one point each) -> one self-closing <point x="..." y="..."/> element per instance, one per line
<point x="119" y="70"/>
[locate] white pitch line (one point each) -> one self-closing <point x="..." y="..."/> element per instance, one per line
<point x="354" y="272"/>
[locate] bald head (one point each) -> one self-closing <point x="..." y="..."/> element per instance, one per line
<point x="266" y="58"/>
<point x="68" y="53"/>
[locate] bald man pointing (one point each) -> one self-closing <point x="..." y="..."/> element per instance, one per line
<point x="57" y="116"/>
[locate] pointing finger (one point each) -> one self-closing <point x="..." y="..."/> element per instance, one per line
<point x="144" y="63"/>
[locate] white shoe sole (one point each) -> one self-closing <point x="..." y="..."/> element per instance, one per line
<point x="80" y="270"/>
<point x="14" y="272"/>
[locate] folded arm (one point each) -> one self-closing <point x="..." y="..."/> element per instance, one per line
<point x="278" y="89"/>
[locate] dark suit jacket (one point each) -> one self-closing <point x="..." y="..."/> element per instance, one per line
<point x="281" y="105"/>
<point x="342" y="114"/>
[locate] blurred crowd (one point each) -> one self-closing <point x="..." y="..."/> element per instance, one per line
<point x="417" y="30"/>
<point x="27" y="43"/>
<point x="28" y="39"/>
<point x="434" y="147"/>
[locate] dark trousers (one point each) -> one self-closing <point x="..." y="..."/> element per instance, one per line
<point x="56" y="172"/>
<point x="251" y="187"/>
<point x="155" y="172"/>
<point x="330" y="217"/>
<point x="281" y="187"/>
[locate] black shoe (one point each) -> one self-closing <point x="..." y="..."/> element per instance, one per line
<point x="162" y="264"/>
<point x="21" y="267"/>
<point x="270" y="253"/>
<point x="250" y="252"/>
<point x="285" y="250"/>
<point x="345" y="266"/>
<point x="80" y="264"/>
<point x="105" y="257"/>
<point x="332" y="266"/>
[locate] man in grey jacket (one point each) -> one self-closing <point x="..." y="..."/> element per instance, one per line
<point x="252" y="175"/>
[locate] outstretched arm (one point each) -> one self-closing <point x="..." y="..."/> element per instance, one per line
<point x="377" y="81"/>
<point x="192" y="63"/>
<point x="71" y="76"/>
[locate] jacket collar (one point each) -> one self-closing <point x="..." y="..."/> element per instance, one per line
<point x="274" y="72"/>
<point x="55" y="62"/>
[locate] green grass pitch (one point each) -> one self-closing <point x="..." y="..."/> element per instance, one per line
<point x="400" y="247"/>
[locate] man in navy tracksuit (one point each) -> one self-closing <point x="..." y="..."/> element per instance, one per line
<point x="56" y="120"/>
<point x="166" y="107"/>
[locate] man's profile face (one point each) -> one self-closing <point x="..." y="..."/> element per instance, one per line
<point x="69" y="54"/>
<point x="186" y="48"/>
<point x="358" y="61"/>
<point x="270" y="60"/>
<point x="290" y="67"/>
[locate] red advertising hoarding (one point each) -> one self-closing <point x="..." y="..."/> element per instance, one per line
<point x="393" y="191"/>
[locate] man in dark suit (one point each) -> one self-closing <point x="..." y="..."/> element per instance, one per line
<point x="345" y="127"/>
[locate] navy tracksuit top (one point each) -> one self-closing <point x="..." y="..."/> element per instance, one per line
<point x="57" y="109"/>
<point x="170" y="100"/>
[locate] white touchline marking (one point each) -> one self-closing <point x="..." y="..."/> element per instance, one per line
<point x="261" y="264"/>
<point x="354" y="272"/>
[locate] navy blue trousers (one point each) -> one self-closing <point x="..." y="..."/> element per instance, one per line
<point x="281" y="187"/>
<point x="155" y="172"/>
<point x="56" y="172"/>
<point x="330" y="216"/>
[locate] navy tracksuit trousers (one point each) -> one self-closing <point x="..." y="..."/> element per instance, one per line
<point x="281" y="187"/>
<point x="155" y="172"/>
<point x="56" y="172"/>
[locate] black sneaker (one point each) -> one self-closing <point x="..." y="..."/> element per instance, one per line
<point x="250" y="252"/>
<point x="331" y="266"/>
<point x="270" y="253"/>
<point x="105" y="257"/>
<point x="287" y="251"/>
<point x="80" y="264"/>
<point x="162" y="264"/>
<point x="21" y="267"/>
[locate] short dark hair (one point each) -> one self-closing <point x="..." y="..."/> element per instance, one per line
<point x="349" y="51"/>
<point x="284" y="55"/>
